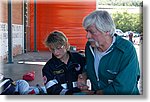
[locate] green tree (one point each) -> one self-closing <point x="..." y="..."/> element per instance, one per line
<point x="136" y="3"/>
<point x="128" y="21"/>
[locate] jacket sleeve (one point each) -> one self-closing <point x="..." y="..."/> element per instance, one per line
<point x="127" y="79"/>
<point x="51" y="84"/>
<point x="86" y="50"/>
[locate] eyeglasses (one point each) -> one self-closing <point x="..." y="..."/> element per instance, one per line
<point x="58" y="48"/>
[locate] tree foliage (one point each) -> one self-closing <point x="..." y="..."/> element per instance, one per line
<point x="128" y="21"/>
<point x="136" y="3"/>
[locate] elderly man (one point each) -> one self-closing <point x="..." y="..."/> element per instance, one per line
<point x="112" y="64"/>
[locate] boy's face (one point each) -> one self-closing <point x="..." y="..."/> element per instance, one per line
<point x="59" y="51"/>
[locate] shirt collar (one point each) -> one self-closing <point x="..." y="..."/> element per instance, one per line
<point x="108" y="50"/>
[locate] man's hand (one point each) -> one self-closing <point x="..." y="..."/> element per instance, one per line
<point x="88" y="92"/>
<point x="98" y="92"/>
<point x="82" y="84"/>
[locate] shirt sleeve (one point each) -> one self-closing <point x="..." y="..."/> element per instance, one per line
<point x="51" y="84"/>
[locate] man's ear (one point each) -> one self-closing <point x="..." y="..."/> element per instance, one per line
<point x="107" y="33"/>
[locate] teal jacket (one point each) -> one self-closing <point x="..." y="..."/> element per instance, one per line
<point x="118" y="71"/>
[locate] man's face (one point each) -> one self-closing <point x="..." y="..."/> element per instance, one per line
<point x="95" y="37"/>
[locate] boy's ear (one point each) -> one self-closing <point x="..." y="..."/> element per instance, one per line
<point x="67" y="46"/>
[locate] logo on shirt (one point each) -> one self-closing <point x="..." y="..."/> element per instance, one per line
<point x="78" y="67"/>
<point x="58" y="71"/>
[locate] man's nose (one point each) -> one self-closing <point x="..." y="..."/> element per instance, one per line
<point x="88" y="35"/>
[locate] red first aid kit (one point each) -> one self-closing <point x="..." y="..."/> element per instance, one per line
<point x="29" y="76"/>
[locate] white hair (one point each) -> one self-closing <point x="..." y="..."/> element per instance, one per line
<point x="102" y="20"/>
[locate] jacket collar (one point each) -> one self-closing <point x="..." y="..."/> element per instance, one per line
<point x="120" y="43"/>
<point x="71" y="59"/>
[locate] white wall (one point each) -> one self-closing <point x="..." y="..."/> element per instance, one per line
<point x="17" y="40"/>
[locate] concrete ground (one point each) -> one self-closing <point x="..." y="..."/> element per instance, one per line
<point x="31" y="61"/>
<point x="34" y="61"/>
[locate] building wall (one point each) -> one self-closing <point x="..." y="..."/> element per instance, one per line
<point x="70" y="22"/>
<point x="60" y="15"/>
<point x="16" y="11"/>
<point x="17" y="28"/>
